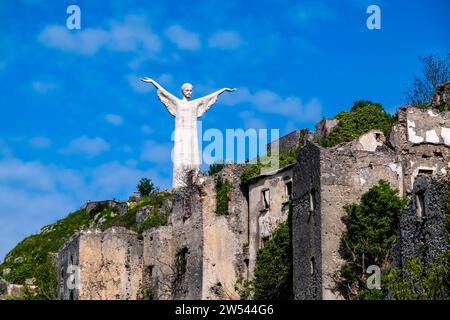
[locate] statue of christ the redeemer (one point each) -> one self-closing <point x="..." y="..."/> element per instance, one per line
<point x="186" y="111"/>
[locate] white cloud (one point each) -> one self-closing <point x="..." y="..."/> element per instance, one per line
<point x="133" y="34"/>
<point x="126" y="149"/>
<point x="40" y="142"/>
<point x="156" y="153"/>
<point x="89" y="147"/>
<point x="43" y="87"/>
<point x="146" y="129"/>
<point x="165" y="79"/>
<point x="182" y="38"/>
<point x="114" y="119"/>
<point x="252" y="122"/>
<point x="270" y="102"/>
<point x="5" y="151"/>
<point x="308" y="11"/>
<point x="225" y="40"/>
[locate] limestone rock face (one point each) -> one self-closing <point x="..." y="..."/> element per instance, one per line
<point x="325" y="127"/>
<point x="97" y="265"/>
<point x="3" y="287"/>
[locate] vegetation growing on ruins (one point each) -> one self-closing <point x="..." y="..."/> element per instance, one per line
<point x="223" y="188"/>
<point x="157" y="216"/>
<point x="363" y="117"/>
<point x="32" y="258"/>
<point x="285" y="159"/>
<point x="180" y="270"/>
<point x="273" y="267"/>
<point x="435" y="71"/>
<point x="255" y="170"/>
<point x="372" y="228"/>
<point x="419" y="281"/>
<point x="215" y="168"/>
<point x="423" y="281"/>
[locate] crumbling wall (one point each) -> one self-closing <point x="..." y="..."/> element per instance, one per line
<point x="306" y="224"/>
<point x="422" y="222"/>
<point x="421" y="138"/>
<point x="224" y="237"/>
<point x="187" y="235"/>
<point x="105" y="265"/>
<point x="159" y="264"/>
<point x="332" y="178"/>
<point x="286" y="143"/>
<point x="264" y="220"/>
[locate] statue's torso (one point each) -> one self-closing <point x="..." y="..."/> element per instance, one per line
<point x="185" y="137"/>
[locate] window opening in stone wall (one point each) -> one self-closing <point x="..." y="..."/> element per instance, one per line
<point x="427" y="172"/>
<point x="313" y="266"/>
<point x="378" y="137"/>
<point x="420" y="205"/>
<point x="266" y="198"/>
<point x="289" y="190"/>
<point x="312" y="201"/>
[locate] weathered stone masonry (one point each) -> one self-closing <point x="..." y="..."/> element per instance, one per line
<point x="200" y="255"/>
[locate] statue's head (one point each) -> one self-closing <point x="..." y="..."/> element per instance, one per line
<point x="186" y="90"/>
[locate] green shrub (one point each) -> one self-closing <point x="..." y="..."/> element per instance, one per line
<point x="156" y="218"/>
<point x="254" y="170"/>
<point x="363" y="117"/>
<point x="273" y="268"/>
<point x="223" y="188"/>
<point x="372" y="227"/>
<point x="418" y="281"/>
<point x="215" y="168"/>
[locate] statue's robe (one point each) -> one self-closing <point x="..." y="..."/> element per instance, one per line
<point x="185" y="154"/>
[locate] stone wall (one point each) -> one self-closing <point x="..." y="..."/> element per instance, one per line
<point x="107" y="264"/>
<point x="200" y="255"/>
<point x="306" y="224"/>
<point x="159" y="264"/>
<point x="286" y="143"/>
<point x="422" y="139"/>
<point x="331" y="178"/>
<point x="265" y="218"/>
<point x="422" y="223"/>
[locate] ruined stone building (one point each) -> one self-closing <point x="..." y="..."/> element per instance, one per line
<point x="202" y="255"/>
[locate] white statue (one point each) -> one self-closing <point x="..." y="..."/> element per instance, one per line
<point x="186" y="111"/>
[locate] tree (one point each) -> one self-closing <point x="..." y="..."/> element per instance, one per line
<point x="146" y="187"/>
<point x="363" y="117"/>
<point x="435" y="71"/>
<point x="372" y="227"/>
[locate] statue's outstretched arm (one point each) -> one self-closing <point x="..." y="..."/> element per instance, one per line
<point x="206" y="102"/>
<point x="168" y="99"/>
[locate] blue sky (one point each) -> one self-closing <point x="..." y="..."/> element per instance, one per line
<point x="77" y="125"/>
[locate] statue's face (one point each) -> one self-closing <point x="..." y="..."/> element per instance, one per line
<point x="187" y="92"/>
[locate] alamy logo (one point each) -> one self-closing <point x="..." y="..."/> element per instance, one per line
<point x="74" y="20"/>
<point x="373" y="22"/>
<point x="374" y="280"/>
<point x="73" y="279"/>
